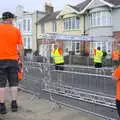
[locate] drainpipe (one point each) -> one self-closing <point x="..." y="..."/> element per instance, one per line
<point x="84" y="33"/>
<point x="37" y="45"/>
<point x="84" y="24"/>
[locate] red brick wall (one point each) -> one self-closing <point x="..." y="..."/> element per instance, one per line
<point x="116" y="43"/>
<point x="116" y="35"/>
<point x="85" y="47"/>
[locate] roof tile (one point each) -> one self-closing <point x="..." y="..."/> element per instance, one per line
<point x="49" y="17"/>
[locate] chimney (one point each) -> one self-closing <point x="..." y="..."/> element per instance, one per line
<point x="48" y="7"/>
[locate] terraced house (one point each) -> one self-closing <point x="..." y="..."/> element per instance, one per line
<point x="26" y="22"/>
<point x="97" y="18"/>
<point x="48" y="24"/>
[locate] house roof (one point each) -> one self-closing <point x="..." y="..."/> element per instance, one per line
<point x="49" y="17"/>
<point x="115" y="2"/>
<point x="79" y="7"/>
<point x="40" y="12"/>
<point x="35" y="11"/>
<point x="82" y="5"/>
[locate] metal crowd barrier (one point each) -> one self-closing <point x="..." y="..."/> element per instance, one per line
<point x="85" y="88"/>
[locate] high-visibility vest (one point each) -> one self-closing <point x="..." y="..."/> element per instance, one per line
<point x="115" y="55"/>
<point x="116" y="73"/>
<point x="57" y="56"/>
<point x="98" y="56"/>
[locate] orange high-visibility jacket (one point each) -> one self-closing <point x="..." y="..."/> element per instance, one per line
<point x="116" y="73"/>
<point x="118" y="90"/>
<point x="115" y="55"/>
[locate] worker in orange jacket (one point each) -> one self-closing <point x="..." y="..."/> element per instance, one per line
<point x="98" y="55"/>
<point x="116" y="75"/>
<point x="58" y="58"/>
<point x="115" y="57"/>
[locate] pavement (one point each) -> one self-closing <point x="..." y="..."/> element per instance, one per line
<point x="33" y="108"/>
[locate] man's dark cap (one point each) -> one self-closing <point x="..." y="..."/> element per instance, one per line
<point x="98" y="48"/>
<point x="7" y="15"/>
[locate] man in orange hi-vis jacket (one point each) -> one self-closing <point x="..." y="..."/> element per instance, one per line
<point x="116" y="75"/>
<point x="10" y="44"/>
<point x="58" y="58"/>
<point x="115" y="57"/>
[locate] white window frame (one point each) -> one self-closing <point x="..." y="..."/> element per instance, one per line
<point x="101" y="18"/>
<point x="29" y="42"/>
<point x="28" y="25"/>
<point x="77" y="51"/>
<point x="71" y="23"/>
<point x="54" y="27"/>
<point x="25" y="42"/>
<point x="24" y="25"/>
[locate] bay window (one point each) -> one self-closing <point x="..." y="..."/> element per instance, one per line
<point x="102" y="18"/>
<point x="71" y="23"/>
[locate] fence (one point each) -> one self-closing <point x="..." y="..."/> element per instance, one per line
<point x="82" y="87"/>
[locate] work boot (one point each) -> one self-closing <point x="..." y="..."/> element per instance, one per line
<point x="14" y="106"/>
<point x="2" y="108"/>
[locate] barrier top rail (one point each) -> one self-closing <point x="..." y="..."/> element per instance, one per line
<point x="57" y="36"/>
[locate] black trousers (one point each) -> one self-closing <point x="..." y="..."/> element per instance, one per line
<point x="118" y="106"/>
<point x="8" y="72"/>
<point x="59" y="66"/>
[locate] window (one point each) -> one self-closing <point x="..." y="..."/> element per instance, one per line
<point x="42" y="28"/>
<point x="24" y="25"/>
<point x="76" y="47"/>
<point x="98" y="18"/>
<point x="54" y="27"/>
<point x="25" y="42"/>
<point x="77" y="23"/>
<point x="28" y="25"/>
<point x="19" y="26"/>
<point x="102" y="18"/>
<point x="108" y="47"/>
<point x="28" y="42"/>
<point x="66" y="24"/>
<point x="71" y="23"/>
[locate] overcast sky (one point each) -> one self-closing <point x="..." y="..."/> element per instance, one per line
<point x="32" y="5"/>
